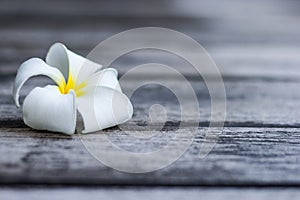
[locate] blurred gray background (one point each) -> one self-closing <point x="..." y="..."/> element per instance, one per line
<point x="245" y="37"/>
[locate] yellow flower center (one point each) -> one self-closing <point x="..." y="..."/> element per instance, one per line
<point x="65" y="88"/>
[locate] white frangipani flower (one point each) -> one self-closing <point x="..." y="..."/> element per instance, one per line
<point x="81" y="84"/>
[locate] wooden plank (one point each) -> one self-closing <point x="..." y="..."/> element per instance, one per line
<point x="37" y="193"/>
<point x="265" y="104"/>
<point x="273" y="62"/>
<point x="242" y="157"/>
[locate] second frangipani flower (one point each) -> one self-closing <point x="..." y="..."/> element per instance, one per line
<point x="81" y="84"/>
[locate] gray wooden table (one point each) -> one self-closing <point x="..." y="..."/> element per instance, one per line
<point x="255" y="44"/>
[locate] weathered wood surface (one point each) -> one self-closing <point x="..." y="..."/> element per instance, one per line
<point x="242" y="157"/>
<point x="256" y="47"/>
<point x="129" y="193"/>
<point x="265" y="104"/>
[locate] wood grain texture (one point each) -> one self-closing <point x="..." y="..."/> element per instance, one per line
<point x="255" y="45"/>
<point x="146" y="193"/>
<point x="242" y="156"/>
<point x="265" y="104"/>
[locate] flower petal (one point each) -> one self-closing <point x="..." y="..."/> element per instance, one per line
<point x="47" y="109"/>
<point x="57" y="56"/>
<point x="107" y="77"/>
<point x="34" y="67"/>
<point x="103" y="107"/>
<point x="69" y="62"/>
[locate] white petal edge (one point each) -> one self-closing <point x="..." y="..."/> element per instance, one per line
<point x="66" y="61"/>
<point x="103" y="107"/>
<point x="57" y="56"/>
<point x="47" y="109"/>
<point x="107" y="78"/>
<point x="34" y="67"/>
